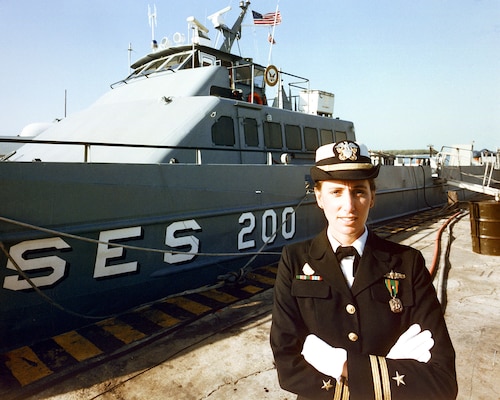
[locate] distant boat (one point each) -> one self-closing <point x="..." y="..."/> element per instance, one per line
<point x="184" y="174"/>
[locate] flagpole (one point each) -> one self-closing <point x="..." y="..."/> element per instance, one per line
<point x="272" y="35"/>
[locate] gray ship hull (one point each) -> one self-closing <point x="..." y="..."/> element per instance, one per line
<point x="189" y="224"/>
<point x="98" y="239"/>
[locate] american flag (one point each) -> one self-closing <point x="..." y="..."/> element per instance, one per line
<point x="273" y="18"/>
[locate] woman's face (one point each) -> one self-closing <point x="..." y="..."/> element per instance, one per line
<point x="346" y="205"/>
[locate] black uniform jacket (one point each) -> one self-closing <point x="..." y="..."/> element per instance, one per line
<point x="359" y="320"/>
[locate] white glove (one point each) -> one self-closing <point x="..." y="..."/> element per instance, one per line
<point x="325" y="358"/>
<point x="413" y="344"/>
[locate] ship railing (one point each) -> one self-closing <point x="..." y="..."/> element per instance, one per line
<point x="466" y="169"/>
<point x="288" y="91"/>
<point x="294" y="89"/>
<point x="464" y="156"/>
<point x="252" y="75"/>
<point x="271" y="156"/>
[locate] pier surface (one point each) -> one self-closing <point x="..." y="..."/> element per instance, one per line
<point x="225" y="353"/>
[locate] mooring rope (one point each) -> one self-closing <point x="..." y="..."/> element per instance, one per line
<point x="223" y="279"/>
<point x="125" y="246"/>
<point x="238" y="276"/>
<point x="40" y="293"/>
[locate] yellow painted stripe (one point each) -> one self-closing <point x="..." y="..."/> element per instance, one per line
<point x="76" y="345"/>
<point x="121" y="330"/>
<point x="262" y="278"/>
<point x="160" y="318"/>
<point x="25" y="366"/>
<point x="219" y="296"/>
<point x="252" y="289"/>
<point x="271" y="268"/>
<point x="189" y="305"/>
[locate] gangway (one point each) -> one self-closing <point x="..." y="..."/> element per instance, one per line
<point x="478" y="172"/>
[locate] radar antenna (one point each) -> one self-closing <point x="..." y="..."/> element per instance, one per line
<point x="234" y="33"/>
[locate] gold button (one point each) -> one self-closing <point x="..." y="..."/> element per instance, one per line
<point x="350" y="309"/>
<point x="352" y="337"/>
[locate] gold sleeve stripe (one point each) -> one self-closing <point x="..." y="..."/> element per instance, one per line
<point x="386" y="383"/>
<point x="345" y="393"/>
<point x="338" y="392"/>
<point x="341" y="391"/>
<point x="377" y="384"/>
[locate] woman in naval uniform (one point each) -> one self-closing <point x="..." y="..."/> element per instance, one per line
<point x="362" y="326"/>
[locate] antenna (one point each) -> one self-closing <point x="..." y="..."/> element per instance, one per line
<point x="130" y="50"/>
<point x="152" y="20"/>
<point x="217" y="19"/>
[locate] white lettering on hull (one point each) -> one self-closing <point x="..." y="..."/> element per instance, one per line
<point x="172" y="240"/>
<point x="56" y="265"/>
<point x="269" y="227"/>
<point x="288" y="215"/>
<point x="246" y="230"/>
<point x="50" y="270"/>
<point x="107" y="253"/>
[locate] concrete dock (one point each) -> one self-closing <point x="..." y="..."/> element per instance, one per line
<point x="226" y="354"/>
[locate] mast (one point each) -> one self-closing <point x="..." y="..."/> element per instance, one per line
<point x="152" y="21"/>
<point x="234" y="33"/>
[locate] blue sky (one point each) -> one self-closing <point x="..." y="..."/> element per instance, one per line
<point x="407" y="73"/>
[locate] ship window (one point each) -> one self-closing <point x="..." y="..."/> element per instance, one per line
<point x="272" y="135"/>
<point x="206" y="59"/>
<point x="311" y="138"/>
<point x="292" y="137"/>
<point x="339" y="135"/>
<point x="326" y="136"/>
<point x="151" y="67"/>
<point x="258" y="79"/>
<point x="177" y="61"/>
<point x="223" y="132"/>
<point x="244" y="75"/>
<point x="251" y="132"/>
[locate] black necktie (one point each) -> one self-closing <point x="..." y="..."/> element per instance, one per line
<point x="346" y="251"/>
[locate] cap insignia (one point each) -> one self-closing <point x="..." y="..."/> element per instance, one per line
<point x="347" y="151"/>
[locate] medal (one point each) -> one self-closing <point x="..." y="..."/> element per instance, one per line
<point x="392" y="285"/>
<point x="395" y="275"/>
<point x="396" y="305"/>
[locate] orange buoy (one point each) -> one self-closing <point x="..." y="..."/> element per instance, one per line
<point x="256" y="99"/>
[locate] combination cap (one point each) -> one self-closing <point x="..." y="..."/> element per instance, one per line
<point x="345" y="160"/>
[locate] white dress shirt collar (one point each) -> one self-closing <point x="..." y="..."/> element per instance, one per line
<point x="358" y="244"/>
<point x="346" y="265"/>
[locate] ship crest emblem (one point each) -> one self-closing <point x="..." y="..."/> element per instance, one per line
<point x="347" y="151"/>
